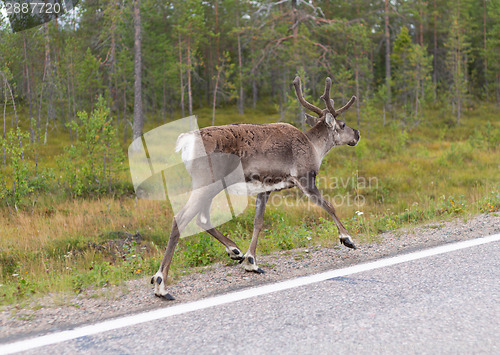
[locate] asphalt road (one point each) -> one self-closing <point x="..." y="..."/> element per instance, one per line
<point x="447" y="303"/>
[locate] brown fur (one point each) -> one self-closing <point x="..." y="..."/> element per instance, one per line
<point x="268" y="151"/>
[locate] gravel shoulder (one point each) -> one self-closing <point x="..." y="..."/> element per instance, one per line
<point x="62" y="311"/>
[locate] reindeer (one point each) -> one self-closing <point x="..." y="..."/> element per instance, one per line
<point x="273" y="157"/>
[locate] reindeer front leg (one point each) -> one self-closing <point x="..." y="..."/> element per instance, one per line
<point x="249" y="261"/>
<point x="308" y="185"/>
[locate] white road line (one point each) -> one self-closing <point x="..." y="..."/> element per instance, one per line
<point x="127" y="321"/>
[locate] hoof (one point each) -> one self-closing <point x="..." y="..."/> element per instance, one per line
<point x="257" y="271"/>
<point x="348" y="242"/>
<point x="160" y="286"/>
<point x="235" y="254"/>
<point x="166" y="296"/>
<point x="250" y="265"/>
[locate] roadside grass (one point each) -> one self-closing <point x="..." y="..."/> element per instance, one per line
<point x="395" y="177"/>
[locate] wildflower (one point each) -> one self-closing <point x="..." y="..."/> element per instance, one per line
<point x="359" y="213"/>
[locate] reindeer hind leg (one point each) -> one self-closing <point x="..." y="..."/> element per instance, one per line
<point x="180" y="221"/>
<point x="203" y="221"/>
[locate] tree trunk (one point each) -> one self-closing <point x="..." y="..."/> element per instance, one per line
<point x="49" y="114"/>
<point x="497" y="89"/>
<point x="181" y="76"/>
<point x="283" y="96"/>
<point x="356" y="73"/>
<point x="421" y="24"/>
<point x="73" y="91"/>
<point x="112" y="79"/>
<point x="434" y="59"/>
<point x="49" y="80"/>
<point x="8" y="87"/>
<point x="138" y="113"/>
<point x="485" y="55"/>
<point x="215" y="92"/>
<point x="459" y="70"/>
<point x="417" y="89"/>
<point x="240" y="78"/>
<point x="387" y="54"/>
<point x="240" y="103"/>
<point x="190" y="95"/>
<point x="28" y="89"/>
<point x="164" y="96"/>
<point x="217" y="32"/>
<point x="68" y="91"/>
<point x="4" y="123"/>
<point x="39" y="114"/>
<point x="125" y="123"/>
<point x="421" y="39"/>
<point x="254" y="92"/>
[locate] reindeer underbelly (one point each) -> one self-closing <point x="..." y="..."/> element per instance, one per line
<point x="256" y="187"/>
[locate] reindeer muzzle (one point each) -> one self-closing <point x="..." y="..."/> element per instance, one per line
<point x="356" y="138"/>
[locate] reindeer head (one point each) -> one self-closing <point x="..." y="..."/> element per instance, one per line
<point x="340" y="133"/>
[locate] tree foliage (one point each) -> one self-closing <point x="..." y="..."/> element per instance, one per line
<point x="443" y="52"/>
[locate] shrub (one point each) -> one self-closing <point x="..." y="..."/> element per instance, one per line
<point x="201" y="250"/>
<point x="91" y="165"/>
<point x="492" y="135"/>
<point x="20" y="176"/>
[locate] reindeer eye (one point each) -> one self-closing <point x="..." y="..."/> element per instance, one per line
<point x="342" y="125"/>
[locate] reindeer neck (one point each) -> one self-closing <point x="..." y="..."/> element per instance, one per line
<point x="320" y="138"/>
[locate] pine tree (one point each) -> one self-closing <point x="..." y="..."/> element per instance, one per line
<point x="456" y="59"/>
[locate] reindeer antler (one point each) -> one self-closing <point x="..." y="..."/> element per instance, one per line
<point x="326" y="97"/>
<point x="329" y="102"/>
<point x="307" y="105"/>
<point x="346" y="106"/>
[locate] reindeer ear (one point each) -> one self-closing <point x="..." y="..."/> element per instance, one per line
<point x="311" y="120"/>
<point x="330" y="120"/>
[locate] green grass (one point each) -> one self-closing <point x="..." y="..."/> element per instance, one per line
<point x="394" y="177"/>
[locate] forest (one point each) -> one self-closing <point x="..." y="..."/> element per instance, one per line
<point x="76" y="90"/>
<point x="192" y="54"/>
